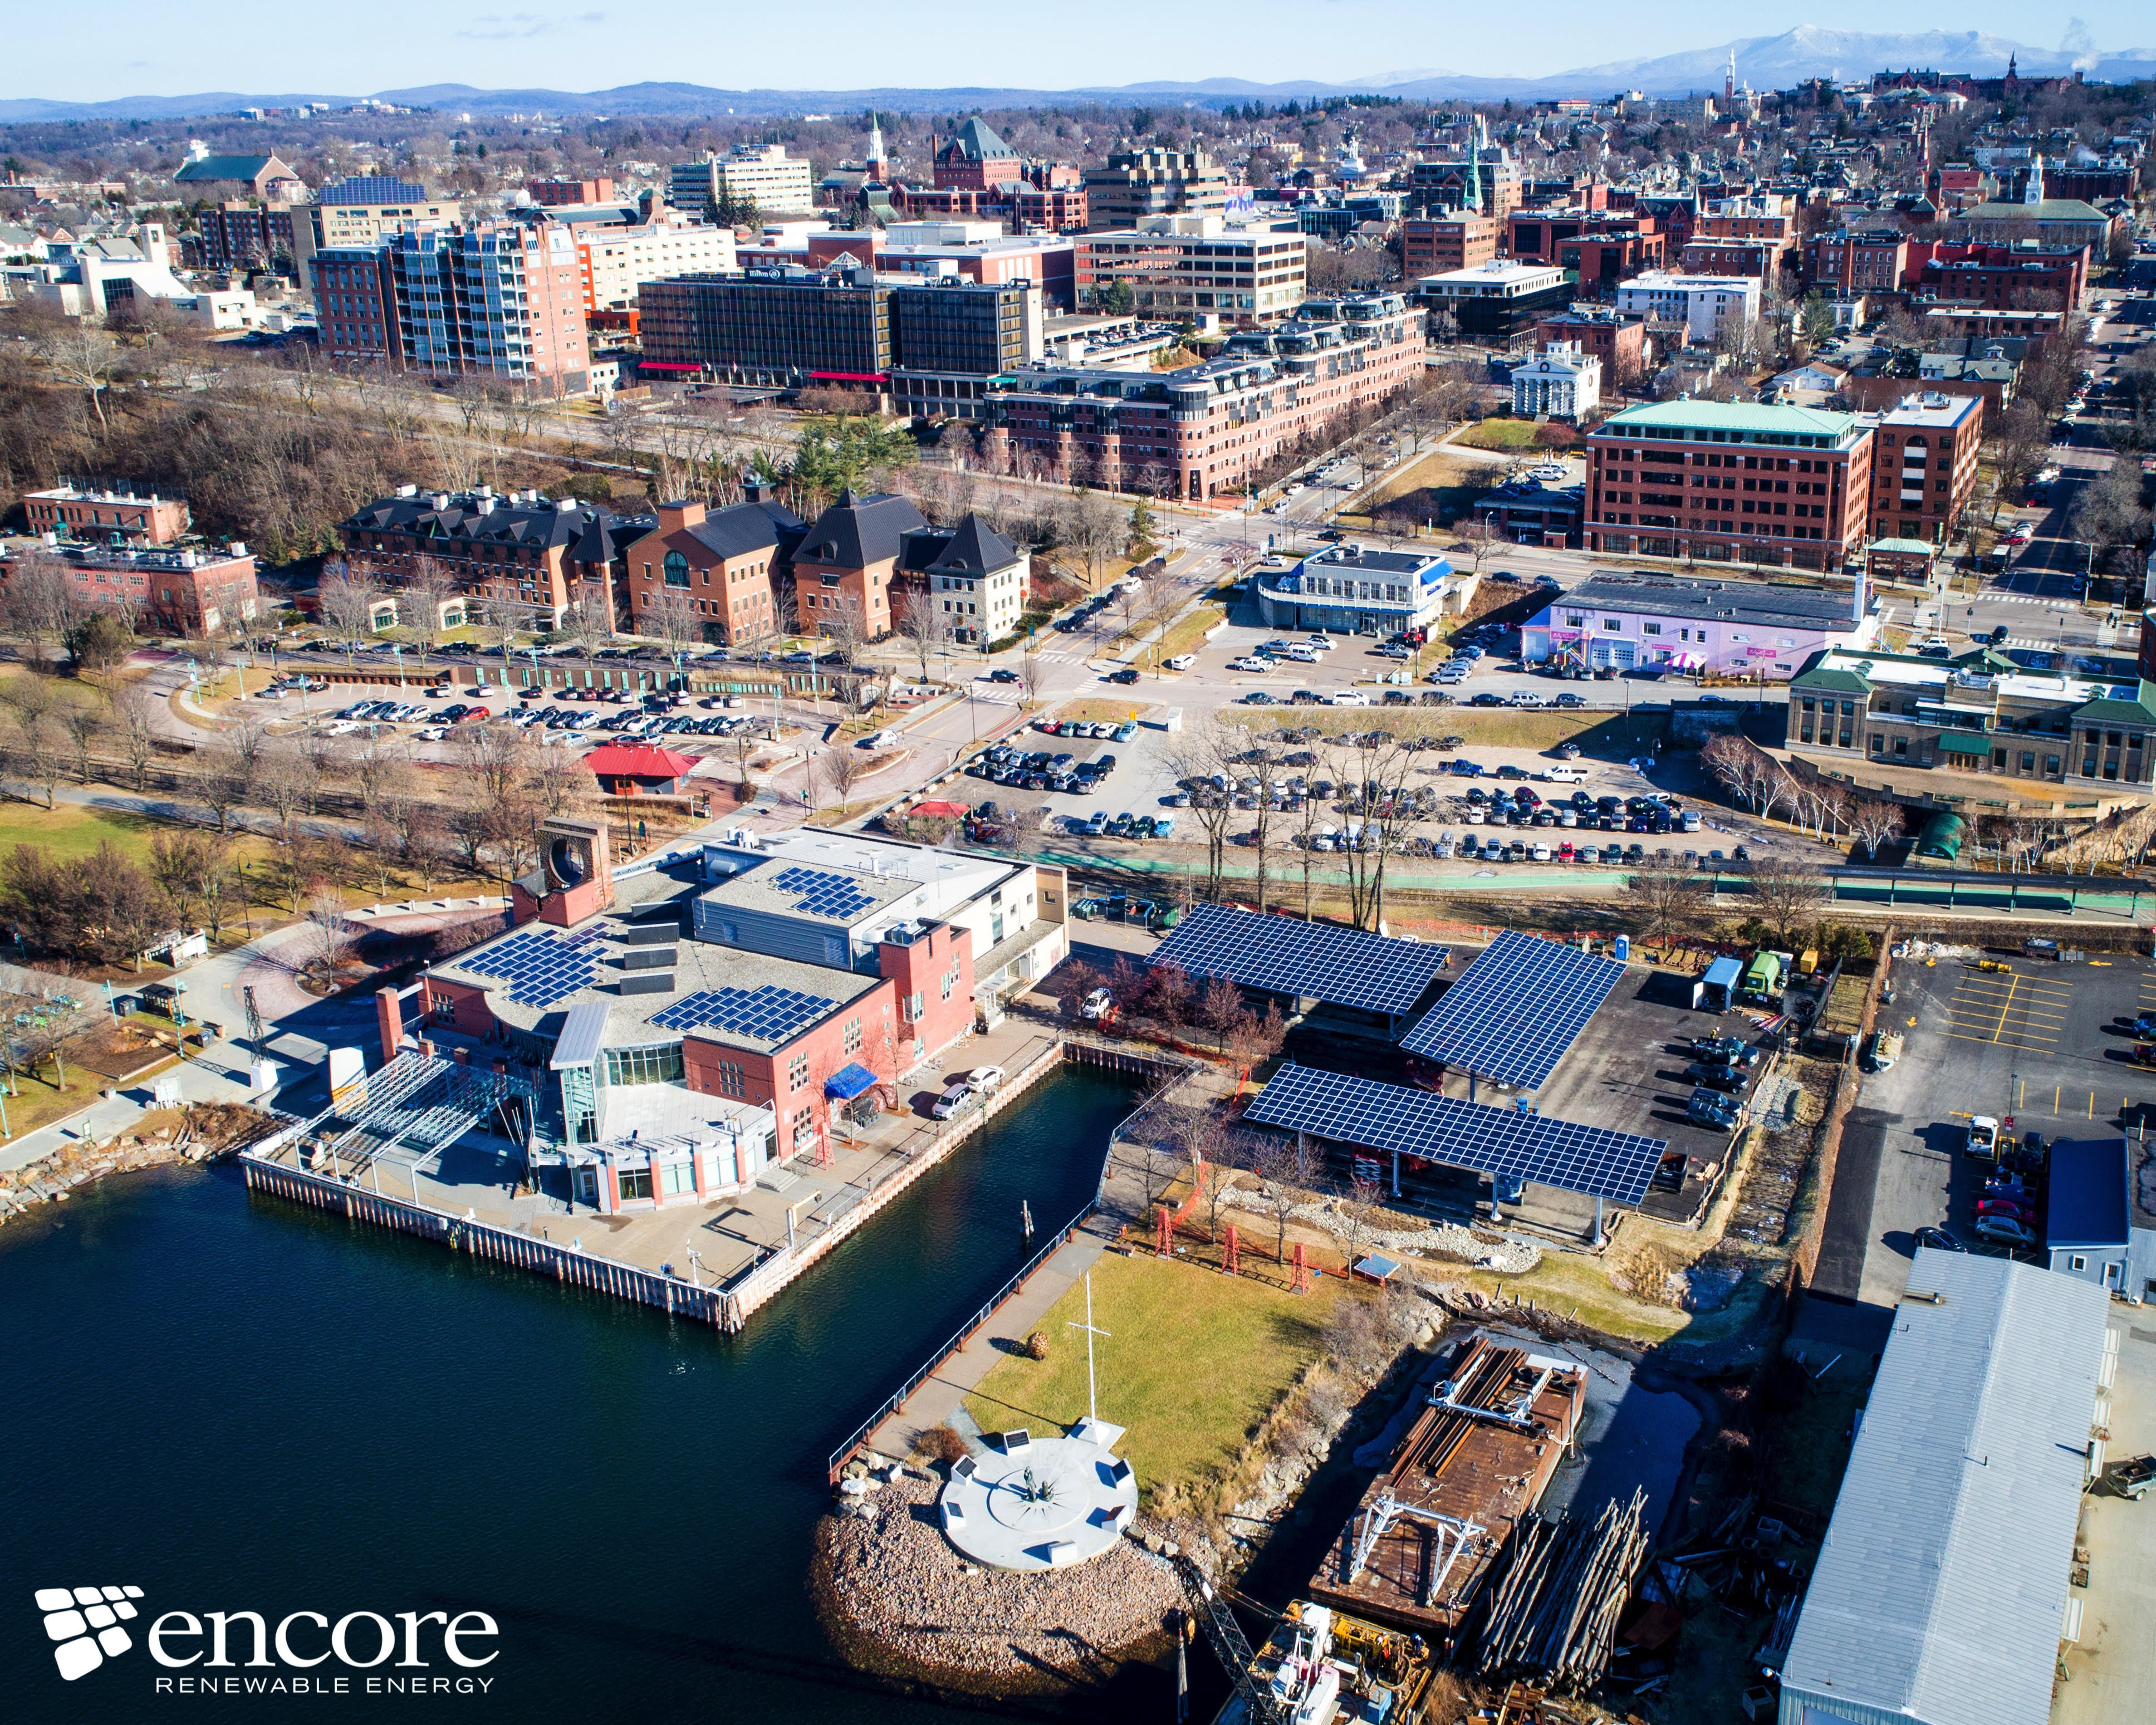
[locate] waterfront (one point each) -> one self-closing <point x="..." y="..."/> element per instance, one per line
<point x="239" y="1404"/>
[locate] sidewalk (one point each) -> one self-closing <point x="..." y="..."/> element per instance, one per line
<point x="939" y="1399"/>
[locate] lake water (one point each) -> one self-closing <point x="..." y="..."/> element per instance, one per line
<point x="237" y="1404"/>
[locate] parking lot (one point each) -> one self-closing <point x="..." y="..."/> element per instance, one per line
<point x="2044" y="1045"/>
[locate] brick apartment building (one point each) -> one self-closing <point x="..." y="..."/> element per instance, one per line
<point x="1431" y="245"/>
<point x="1723" y="482"/>
<point x="182" y="592"/>
<point x="1842" y="264"/>
<point x="613" y="262"/>
<point x="557" y="194"/>
<point x="498" y="300"/>
<point x="1923" y="469"/>
<point x="726" y="562"/>
<point x="1758" y="259"/>
<point x="360" y="212"/>
<point x="532" y="556"/>
<point x="107" y="514"/>
<point x="1618" y="341"/>
<point x="2021" y="278"/>
<point x="1203" y="429"/>
<point x="247" y="236"/>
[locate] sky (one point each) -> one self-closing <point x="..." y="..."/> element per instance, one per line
<point x="119" y="48"/>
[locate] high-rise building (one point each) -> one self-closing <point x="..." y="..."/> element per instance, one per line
<point x="760" y="174"/>
<point x="615" y="262"/>
<point x="497" y="300"/>
<point x="1925" y="471"/>
<point x="358" y="212"/>
<point x="1134" y="184"/>
<point x="1195" y="268"/>
<point x="791" y="328"/>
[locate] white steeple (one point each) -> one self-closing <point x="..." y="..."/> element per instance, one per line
<point x="2033" y="192"/>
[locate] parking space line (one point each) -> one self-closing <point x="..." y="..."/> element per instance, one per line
<point x="2018" y="1039"/>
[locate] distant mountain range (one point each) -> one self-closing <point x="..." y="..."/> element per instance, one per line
<point x="1763" y="62"/>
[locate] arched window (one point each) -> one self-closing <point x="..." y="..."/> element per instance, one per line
<point x="677" y="569"/>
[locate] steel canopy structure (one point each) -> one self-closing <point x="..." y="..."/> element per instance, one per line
<point x="1500" y="1142"/>
<point x="412" y="1110"/>
<point x="1517" y="1010"/>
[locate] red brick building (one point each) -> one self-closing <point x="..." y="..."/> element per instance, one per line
<point x="845" y="566"/>
<point x="974" y="158"/>
<point x="1603" y="248"/>
<point x="1618" y="341"/>
<point x="185" y="593"/>
<point x="553" y="194"/>
<point x="1430" y="245"/>
<point x="1841" y="263"/>
<point x="1923" y="472"/>
<point x="728" y="563"/>
<point x="107" y="514"/>
<point x="2022" y="278"/>
<point x="1723" y="482"/>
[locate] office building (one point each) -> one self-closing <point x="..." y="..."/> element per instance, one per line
<point x="1600" y="247"/>
<point x="1495" y="301"/>
<point x="240" y="237"/>
<point x="975" y="578"/>
<point x="360" y="212"/>
<point x="1843" y="262"/>
<point x="552" y="194"/>
<point x="949" y="338"/>
<point x="1358" y="589"/>
<point x="1195" y="269"/>
<point x="972" y="159"/>
<point x="115" y="515"/>
<point x="1134" y="184"/>
<point x="1203" y="429"/>
<point x="726" y="563"/>
<point x="1636" y="618"/>
<point x="530" y="555"/>
<point x="762" y="176"/>
<point x="1705" y="304"/>
<point x="1619" y="341"/>
<point x="186" y="592"/>
<point x="1923" y="470"/>
<point x="845" y="566"/>
<point x="1436" y="245"/>
<point x="1723" y="482"/>
<point x="613" y="262"/>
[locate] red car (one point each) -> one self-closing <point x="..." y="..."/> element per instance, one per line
<point x="471" y="716"/>
<point x="2007" y="1207"/>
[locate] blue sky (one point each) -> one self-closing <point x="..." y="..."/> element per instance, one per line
<point x="120" y="48"/>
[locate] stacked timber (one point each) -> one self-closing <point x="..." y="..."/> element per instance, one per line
<point x="1553" y="1612"/>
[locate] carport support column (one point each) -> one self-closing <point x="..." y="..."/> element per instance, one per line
<point x="1396" y="1173"/>
<point x="1597" y="1240"/>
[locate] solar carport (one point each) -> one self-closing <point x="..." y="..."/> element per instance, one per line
<point x="1515" y="1011"/>
<point x="1370" y="977"/>
<point x="1503" y="1144"/>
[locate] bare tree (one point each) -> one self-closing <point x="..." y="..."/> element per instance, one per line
<point x="40" y="605"/>
<point x="135" y="709"/>
<point x="1874" y="821"/>
<point x="281" y="782"/>
<point x="1032" y="676"/>
<point x="84" y="727"/>
<point x="421" y="600"/>
<point x="671" y="616"/>
<point x="1278" y="1165"/>
<point x="843" y="768"/>
<point x="37" y="749"/>
<point x="226" y="778"/>
<point x="924" y="626"/>
<point x="1790" y="898"/>
<point x="345" y="598"/>
<point x="1667" y="904"/>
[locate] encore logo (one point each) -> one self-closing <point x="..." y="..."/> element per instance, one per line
<point x="84" y="1623"/>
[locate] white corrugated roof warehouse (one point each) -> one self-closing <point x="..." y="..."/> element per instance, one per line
<point x="1941" y="1591"/>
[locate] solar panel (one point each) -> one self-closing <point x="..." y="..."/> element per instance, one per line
<point x="769" y="1014"/>
<point x="1588" y="1159"/>
<point x="539" y="968"/>
<point x="1516" y="1010"/>
<point x="1342" y="966"/>
<point x="823" y="892"/>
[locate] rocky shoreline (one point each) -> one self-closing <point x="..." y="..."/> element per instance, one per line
<point x="898" y="1599"/>
<point x="198" y="1133"/>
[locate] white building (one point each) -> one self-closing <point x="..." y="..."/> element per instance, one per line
<point x="766" y="176"/>
<point x="1561" y="383"/>
<point x="976" y="578"/>
<point x="615" y="262"/>
<point x="1705" y="304"/>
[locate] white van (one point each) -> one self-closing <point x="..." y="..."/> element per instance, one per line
<point x="1303" y="652"/>
<point x="1565" y="775"/>
<point x="1347" y="697"/>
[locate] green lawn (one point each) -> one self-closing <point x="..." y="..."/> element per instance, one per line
<point x="1502" y="435"/>
<point x="68" y="829"/>
<point x="1192" y="1363"/>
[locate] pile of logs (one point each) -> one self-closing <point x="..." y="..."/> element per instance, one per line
<point x="1553" y="1610"/>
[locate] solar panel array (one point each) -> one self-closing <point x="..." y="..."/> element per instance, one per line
<point x="1516" y="1010"/>
<point x="590" y="935"/>
<point x="768" y="1013"/>
<point x="539" y="968"/>
<point x="1588" y="1159"/>
<point x="824" y="893"/>
<point x="1342" y="967"/>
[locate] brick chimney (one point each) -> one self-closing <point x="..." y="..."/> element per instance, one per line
<point x="391" y="1022"/>
<point x="675" y="517"/>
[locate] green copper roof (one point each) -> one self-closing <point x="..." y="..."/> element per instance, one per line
<point x="2112" y="711"/>
<point x="1956" y="742"/>
<point x="2051" y="209"/>
<point x="1832" y="681"/>
<point x="1730" y="416"/>
<point x="1906" y="547"/>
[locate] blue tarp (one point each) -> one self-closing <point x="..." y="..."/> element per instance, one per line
<point x="848" y="1082"/>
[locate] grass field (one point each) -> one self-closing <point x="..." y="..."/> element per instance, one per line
<point x="1502" y="435"/>
<point x="1185" y="635"/>
<point x="69" y="830"/>
<point x="1107" y="707"/>
<point x="1193" y="1362"/>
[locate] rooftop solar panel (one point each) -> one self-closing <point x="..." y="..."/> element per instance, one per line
<point x="768" y="1014"/>
<point x="823" y="892"/>
<point x="1588" y="1159"/>
<point x="539" y="968"/>
<point x="1342" y="967"/>
<point x="1516" y="1010"/>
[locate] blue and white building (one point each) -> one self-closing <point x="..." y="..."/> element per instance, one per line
<point x="1354" y="590"/>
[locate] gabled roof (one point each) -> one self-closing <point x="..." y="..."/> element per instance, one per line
<point x="217" y="168"/>
<point x="856" y="531"/>
<point x="1831" y="679"/>
<point x="629" y="762"/>
<point x="975" y="549"/>
<point x="1941" y="1586"/>
<point x="744" y="527"/>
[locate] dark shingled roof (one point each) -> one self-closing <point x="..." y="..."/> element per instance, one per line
<point x="856" y="531"/>
<point x="975" y="141"/>
<point x="743" y="527"/>
<point x="593" y="535"/>
<point x="975" y="549"/>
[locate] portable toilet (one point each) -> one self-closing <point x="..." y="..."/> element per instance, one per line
<point x="1717" y="991"/>
<point x="1623" y="949"/>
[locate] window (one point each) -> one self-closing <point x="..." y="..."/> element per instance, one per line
<point x="797" y="1072"/>
<point x="804" y="1124"/>
<point x="677" y="569"/>
<point x="632" y="1182"/>
<point x="2080" y="1262"/>
<point x="853" y="1036"/>
<point x="1612" y="624"/>
<point x="950" y="981"/>
<point x="645" y="1065"/>
<point x="677" y="1178"/>
<point x="731" y="1079"/>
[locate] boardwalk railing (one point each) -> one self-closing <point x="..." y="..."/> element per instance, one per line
<point x="965" y="1333"/>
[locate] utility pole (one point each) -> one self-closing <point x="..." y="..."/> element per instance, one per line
<point x="1092" y="1398"/>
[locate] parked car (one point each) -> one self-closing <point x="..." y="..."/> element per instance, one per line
<point x="983" y="1078"/>
<point x="1939" y="1240"/>
<point x="1098" y="1007"/>
<point x="2005" y="1231"/>
<point x="955" y="1097"/>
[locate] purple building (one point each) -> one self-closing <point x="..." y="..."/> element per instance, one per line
<point x="1680" y="623"/>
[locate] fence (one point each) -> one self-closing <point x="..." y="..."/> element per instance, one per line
<point x="965" y="1332"/>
